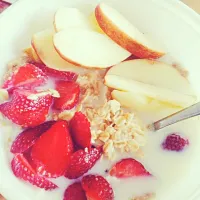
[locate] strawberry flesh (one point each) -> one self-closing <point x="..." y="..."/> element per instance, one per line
<point x="75" y="192"/>
<point x="63" y="75"/>
<point x="80" y="130"/>
<point x="69" y="95"/>
<point x="27" y="76"/>
<point x="97" y="188"/>
<point x="128" y="167"/>
<point x="175" y="142"/>
<point x="28" y="137"/>
<point x="25" y="111"/>
<point x="82" y="161"/>
<point x="23" y="170"/>
<point x="51" y="153"/>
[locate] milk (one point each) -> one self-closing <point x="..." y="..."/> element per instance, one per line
<point x="168" y="169"/>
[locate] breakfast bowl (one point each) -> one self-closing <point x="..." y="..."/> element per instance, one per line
<point x="86" y="78"/>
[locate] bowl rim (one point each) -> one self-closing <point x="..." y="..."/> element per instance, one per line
<point x="177" y="7"/>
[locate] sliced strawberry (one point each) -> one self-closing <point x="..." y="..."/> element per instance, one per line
<point x="51" y="152"/>
<point x="75" y="192"/>
<point x="81" y="161"/>
<point x="23" y="170"/>
<point x="28" y="137"/>
<point x="97" y="188"/>
<point x="26" y="76"/>
<point x="128" y="167"/>
<point x="63" y="75"/>
<point x="80" y="129"/>
<point x="69" y="95"/>
<point x="25" y="111"/>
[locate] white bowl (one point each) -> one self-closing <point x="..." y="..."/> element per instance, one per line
<point x="170" y="22"/>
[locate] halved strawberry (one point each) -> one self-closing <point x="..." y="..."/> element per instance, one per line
<point x="27" y="76"/>
<point x="63" y="75"/>
<point x="28" y="137"/>
<point x="25" y="110"/>
<point x="75" y="192"/>
<point x="51" y="152"/>
<point x="80" y="130"/>
<point x="69" y="95"/>
<point x="23" y="170"/>
<point x="128" y="167"/>
<point x="97" y="188"/>
<point x="81" y="161"/>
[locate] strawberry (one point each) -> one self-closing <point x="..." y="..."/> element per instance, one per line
<point x="80" y="130"/>
<point x="97" y="188"/>
<point x="28" y="137"/>
<point x="23" y="170"/>
<point x="63" y="75"/>
<point x="25" y="111"/>
<point x="81" y="161"/>
<point x="51" y="152"/>
<point x="128" y="167"/>
<point x="69" y="95"/>
<point x="26" y="76"/>
<point x="175" y="142"/>
<point x="75" y="192"/>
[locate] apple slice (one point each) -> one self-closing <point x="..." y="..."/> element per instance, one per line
<point x="70" y="17"/>
<point x="88" y="48"/>
<point x="140" y="102"/>
<point x="94" y="23"/>
<point x="32" y="55"/>
<point x="42" y="43"/>
<point x="153" y="73"/>
<point x="119" y="29"/>
<point x="158" y="93"/>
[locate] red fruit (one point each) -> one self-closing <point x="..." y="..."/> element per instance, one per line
<point x="51" y="152"/>
<point x="27" y="112"/>
<point x="175" y="142"/>
<point x="80" y="130"/>
<point x="69" y="95"/>
<point x="27" y="76"/>
<point x="97" y="188"/>
<point x="81" y="161"/>
<point x="23" y="170"/>
<point x="28" y="137"/>
<point x="64" y="75"/>
<point x="3" y="5"/>
<point x="128" y="167"/>
<point x="75" y="192"/>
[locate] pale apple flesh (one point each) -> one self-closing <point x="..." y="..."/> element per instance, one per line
<point x="140" y="102"/>
<point x="120" y="30"/>
<point x="30" y="52"/>
<point x="42" y="43"/>
<point x="94" y="23"/>
<point x="160" y="94"/>
<point x="88" y="48"/>
<point x="70" y="17"/>
<point x="154" y="73"/>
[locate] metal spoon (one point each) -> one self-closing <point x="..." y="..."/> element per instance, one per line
<point x="186" y="113"/>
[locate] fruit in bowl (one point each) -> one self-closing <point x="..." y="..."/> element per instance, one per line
<point x="75" y="111"/>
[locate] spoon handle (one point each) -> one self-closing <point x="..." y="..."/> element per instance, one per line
<point x="189" y="112"/>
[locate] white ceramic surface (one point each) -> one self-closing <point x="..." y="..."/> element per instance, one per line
<point x="170" y="22"/>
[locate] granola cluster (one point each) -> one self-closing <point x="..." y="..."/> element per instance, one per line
<point x="111" y="126"/>
<point x="115" y="129"/>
